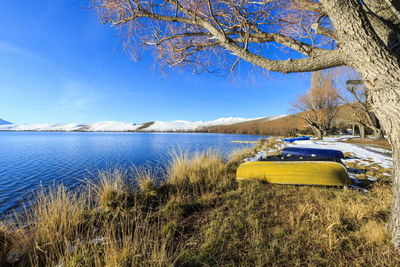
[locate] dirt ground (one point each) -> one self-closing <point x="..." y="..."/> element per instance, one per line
<point x="384" y="143"/>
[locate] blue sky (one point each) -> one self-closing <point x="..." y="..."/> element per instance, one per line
<point x="59" y="64"/>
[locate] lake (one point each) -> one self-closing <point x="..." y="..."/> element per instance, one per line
<point x="31" y="159"/>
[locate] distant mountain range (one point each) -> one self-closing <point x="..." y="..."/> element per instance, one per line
<point x="3" y="122"/>
<point x="114" y="126"/>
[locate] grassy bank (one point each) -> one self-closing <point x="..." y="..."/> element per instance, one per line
<point x="201" y="216"/>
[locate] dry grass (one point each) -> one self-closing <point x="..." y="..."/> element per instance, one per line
<point x="201" y="216"/>
<point x="292" y="225"/>
<point x="44" y="230"/>
<point x="238" y="155"/>
<point x="198" y="174"/>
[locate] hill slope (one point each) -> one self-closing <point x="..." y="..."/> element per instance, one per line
<point x="184" y="126"/>
<point x="114" y="126"/>
<point x="286" y="125"/>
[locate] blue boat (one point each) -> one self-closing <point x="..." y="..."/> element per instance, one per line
<point x="314" y="152"/>
<point x="291" y="140"/>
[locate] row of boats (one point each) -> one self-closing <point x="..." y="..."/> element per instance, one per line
<point x="301" y="166"/>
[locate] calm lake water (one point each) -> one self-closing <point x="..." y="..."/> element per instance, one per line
<point x="31" y="159"/>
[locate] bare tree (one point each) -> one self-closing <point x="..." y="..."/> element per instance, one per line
<point x="358" y="98"/>
<point x="363" y="113"/>
<point x="319" y="104"/>
<point x="363" y="35"/>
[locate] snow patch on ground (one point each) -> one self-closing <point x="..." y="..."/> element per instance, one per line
<point x="363" y="155"/>
<point x="257" y="157"/>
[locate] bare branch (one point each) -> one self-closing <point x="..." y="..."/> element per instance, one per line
<point x="310" y="6"/>
<point x="181" y="29"/>
<point x="324" y="60"/>
<point x="287" y="41"/>
<point x="324" y="31"/>
<point x="234" y="64"/>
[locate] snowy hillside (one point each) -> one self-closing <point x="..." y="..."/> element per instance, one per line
<point x="104" y="126"/>
<point x="114" y="126"/>
<point x="111" y="126"/>
<point x="179" y="125"/>
<point x="275" y="117"/>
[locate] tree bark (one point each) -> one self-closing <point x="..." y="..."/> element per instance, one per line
<point x="319" y="132"/>
<point x="379" y="66"/>
<point x="378" y="134"/>
<point x="394" y="225"/>
<point x="320" y="135"/>
<point x="387" y="106"/>
<point x="361" y="129"/>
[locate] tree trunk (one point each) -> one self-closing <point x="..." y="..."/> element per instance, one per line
<point x="378" y="134"/>
<point x="320" y="135"/>
<point x="394" y="225"/>
<point x="387" y="108"/>
<point x="372" y="57"/>
<point x="361" y="129"/>
<point x="319" y="132"/>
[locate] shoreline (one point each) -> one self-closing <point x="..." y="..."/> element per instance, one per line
<point x="201" y="215"/>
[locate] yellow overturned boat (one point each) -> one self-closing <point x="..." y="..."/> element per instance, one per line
<point x="297" y="171"/>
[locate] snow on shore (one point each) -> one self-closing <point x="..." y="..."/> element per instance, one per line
<point x="363" y="154"/>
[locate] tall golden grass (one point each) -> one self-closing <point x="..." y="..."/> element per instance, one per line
<point x="198" y="174"/>
<point x="200" y="216"/>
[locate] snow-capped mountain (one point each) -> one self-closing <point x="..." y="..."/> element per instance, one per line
<point x="104" y="126"/>
<point x="115" y="126"/>
<point x="180" y="125"/>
